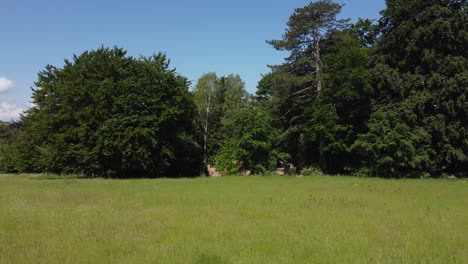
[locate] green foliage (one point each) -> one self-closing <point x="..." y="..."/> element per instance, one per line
<point x="235" y="98"/>
<point x="9" y="132"/>
<point x="108" y="114"/>
<point x="265" y="88"/>
<point x="249" y="144"/>
<point x="365" y="31"/>
<point x="311" y="171"/>
<point x="323" y="126"/>
<point x="391" y="148"/>
<point x="317" y="17"/>
<point x="293" y="171"/>
<point x="7" y="158"/>
<point x="321" y="96"/>
<point x="294" y="89"/>
<point x="345" y="106"/>
<point x="218" y="101"/>
<point x="389" y="100"/>
<point x="209" y="97"/>
<point x="419" y="73"/>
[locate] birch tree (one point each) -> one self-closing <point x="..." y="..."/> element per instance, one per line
<point x="207" y="98"/>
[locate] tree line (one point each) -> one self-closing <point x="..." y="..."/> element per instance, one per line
<point x="385" y="98"/>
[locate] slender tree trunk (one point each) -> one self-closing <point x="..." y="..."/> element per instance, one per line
<point x="318" y="61"/>
<point x="205" y="143"/>
<point x="205" y="136"/>
<point x="318" y="72"/>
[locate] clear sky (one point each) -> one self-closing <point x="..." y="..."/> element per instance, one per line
<point x="199" y="36"/>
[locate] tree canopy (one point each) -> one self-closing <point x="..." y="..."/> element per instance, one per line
<point x="390" y="98"/>
<point x="419" y="71"/>
<point x="385" y="98"/>
<point x="105" y="113"/>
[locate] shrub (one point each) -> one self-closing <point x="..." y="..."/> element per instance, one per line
<point x="311" y="171"/>
<point x="7" y="158"/>
<point x="293" y="171"/>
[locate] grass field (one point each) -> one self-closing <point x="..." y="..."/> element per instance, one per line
<point x="233" y="220"/>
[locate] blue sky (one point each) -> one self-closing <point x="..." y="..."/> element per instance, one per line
<point x="198" y="36"/>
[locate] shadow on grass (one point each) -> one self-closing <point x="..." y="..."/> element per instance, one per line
<point x="209" y="259"/>
<point x="57" y="177"/>
<point x="49" y="176"/>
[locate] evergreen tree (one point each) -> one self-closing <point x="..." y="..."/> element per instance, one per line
<point x="346" y="99"/>
<point x="420" y="78"/>
<point x="307" y="27"/>
<point x="320" y="96"/>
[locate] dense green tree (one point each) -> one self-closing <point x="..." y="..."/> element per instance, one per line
<point x="7" y="158"/>
<point x="240" y="137"/>
<point x="235" y="96"/>
<point x="407" y="77"/>
<point x="366" y="31"/>
<point x="9" y="133"/>
<point x="320" y="96"/>
<point x="250" y="143"/>
<point x="391" y="148"/>
<point x="420" y="78"/>
<point x="346" y="99"/>
<point x="108" y="114"/>
<point x="265" y="88"/>
<point x="218" y="100"/>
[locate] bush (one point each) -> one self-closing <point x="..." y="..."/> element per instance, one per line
<point x="292" y="171"/>
<point x="311" y="171"/>
<point x="7" y="158"/>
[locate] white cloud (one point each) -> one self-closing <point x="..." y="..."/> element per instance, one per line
<point x="9" y="110"/>
<point x="6" y="84"/>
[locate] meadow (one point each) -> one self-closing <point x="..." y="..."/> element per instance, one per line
<point x="269" y="219"/>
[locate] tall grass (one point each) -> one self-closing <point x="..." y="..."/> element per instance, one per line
<point x="233" y="220"/>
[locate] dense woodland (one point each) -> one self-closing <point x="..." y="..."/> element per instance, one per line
<point x="385" y="98"/>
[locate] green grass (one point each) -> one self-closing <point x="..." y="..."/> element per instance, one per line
<point x="233" y="220"/>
